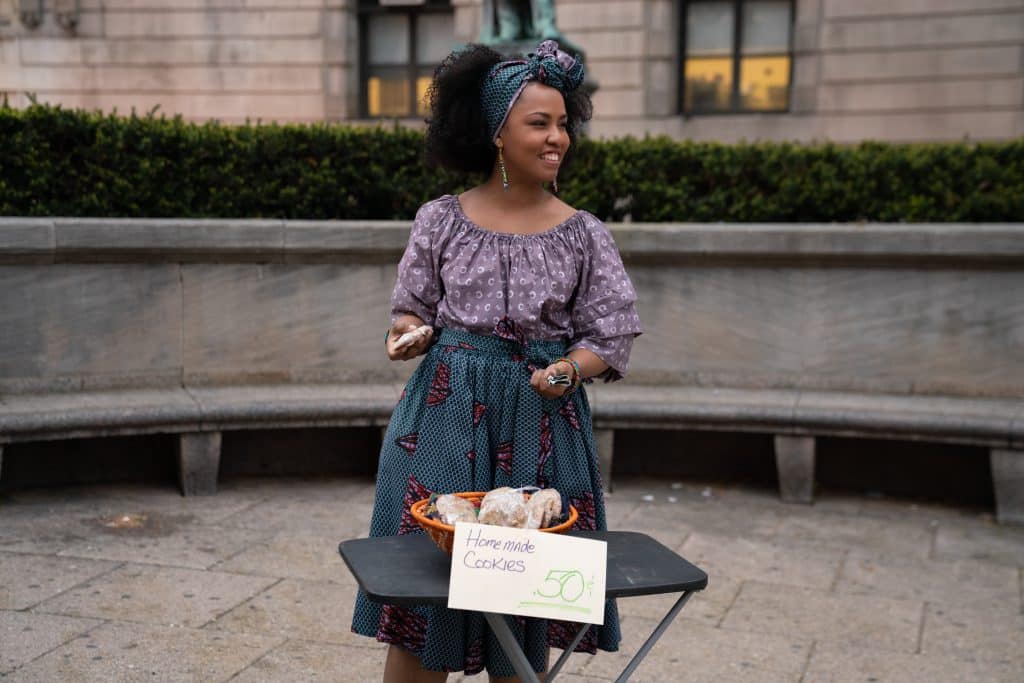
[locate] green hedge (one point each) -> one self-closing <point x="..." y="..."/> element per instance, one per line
<point x="57" y="162"/>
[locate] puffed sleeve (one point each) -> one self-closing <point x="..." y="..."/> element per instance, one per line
<point x="604" y="314"/>
<point x="418" y="287"/>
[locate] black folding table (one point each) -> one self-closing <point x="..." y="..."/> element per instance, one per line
<point x="411" y="570"/>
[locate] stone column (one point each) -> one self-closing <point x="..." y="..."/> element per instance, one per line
<point x="1008" y="481"/>
<point x="340" y="72"/>
<point x="468" y="16"/>
<point x="806" y="73"/>
<point x="198" y="463"/>
<point x="605" y="440"/>
<point x="794" y="460"/>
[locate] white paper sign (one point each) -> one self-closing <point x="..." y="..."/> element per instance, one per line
<point x="529" y="573"/>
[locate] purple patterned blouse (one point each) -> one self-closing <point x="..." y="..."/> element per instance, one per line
<point x="567" y="283"/>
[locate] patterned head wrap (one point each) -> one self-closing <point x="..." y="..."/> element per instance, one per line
<point x="506" y="80"/>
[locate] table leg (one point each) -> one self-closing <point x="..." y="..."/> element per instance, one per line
<point x="511" y="647"/>
<point x="553" y="671"/>
<point x="653" y="638"/>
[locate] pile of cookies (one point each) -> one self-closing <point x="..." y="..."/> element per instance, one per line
<point x="527" y="508"/>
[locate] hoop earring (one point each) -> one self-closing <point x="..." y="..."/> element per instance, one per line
<point x="501" y="167"/>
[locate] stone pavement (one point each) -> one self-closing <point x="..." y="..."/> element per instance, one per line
<point x="133" y="583"/>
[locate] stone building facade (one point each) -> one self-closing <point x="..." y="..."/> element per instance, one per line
<point x="842" y="70"/>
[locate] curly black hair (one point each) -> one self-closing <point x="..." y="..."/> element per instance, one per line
<point x="457" y="134"/>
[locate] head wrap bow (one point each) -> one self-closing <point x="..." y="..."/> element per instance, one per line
<point x="506" y="80"/>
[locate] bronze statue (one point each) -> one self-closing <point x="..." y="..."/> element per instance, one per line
<point x="516" y="27"/>
<point x="513" y="21"/>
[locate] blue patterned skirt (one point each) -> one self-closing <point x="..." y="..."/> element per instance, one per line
<point x="468" y="420"/>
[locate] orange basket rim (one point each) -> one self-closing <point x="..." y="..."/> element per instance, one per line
<point x="417" y="512"/>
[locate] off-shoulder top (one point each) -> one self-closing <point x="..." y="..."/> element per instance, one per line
<point x="567" y="283"/>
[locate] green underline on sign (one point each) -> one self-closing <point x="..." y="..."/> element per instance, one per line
<point x="567" y="608"/>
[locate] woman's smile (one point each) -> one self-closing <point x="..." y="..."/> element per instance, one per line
<point x="537" y="125"/>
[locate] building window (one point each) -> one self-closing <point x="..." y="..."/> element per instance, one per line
<point x="400" y="45"/>
<point x="736" y="56"/>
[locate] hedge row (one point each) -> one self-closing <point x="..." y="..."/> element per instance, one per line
<point x="57" y="162"/>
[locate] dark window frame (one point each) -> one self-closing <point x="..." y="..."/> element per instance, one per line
<point x="736" y="56"/>
<point x="412" y="69"/>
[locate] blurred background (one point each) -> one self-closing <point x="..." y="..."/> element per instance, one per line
<point x="726" y="70"/>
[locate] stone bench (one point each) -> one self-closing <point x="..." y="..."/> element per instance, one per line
<point x="796" y="418"/>
<point x="192" y="327"/>
<point x="198" y="416"/>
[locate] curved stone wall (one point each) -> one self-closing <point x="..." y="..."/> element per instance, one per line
<point x="893" y="309"/>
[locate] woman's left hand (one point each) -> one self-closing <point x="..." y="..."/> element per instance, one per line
<point x="539" y="380"/>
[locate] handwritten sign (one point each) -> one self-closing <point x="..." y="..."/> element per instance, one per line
<point x="529" y="573"/>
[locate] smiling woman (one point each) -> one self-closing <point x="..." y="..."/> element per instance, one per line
<point x="516" y="287"/>
<point x="536" y="135"/>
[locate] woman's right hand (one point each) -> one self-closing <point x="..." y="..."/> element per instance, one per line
<point x="419" y="346"/>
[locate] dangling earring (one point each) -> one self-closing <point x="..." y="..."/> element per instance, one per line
<point x="554" y="184"/>
<point x="501" y="166"/>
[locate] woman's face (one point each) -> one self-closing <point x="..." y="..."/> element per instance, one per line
<point x="534" y="136"/>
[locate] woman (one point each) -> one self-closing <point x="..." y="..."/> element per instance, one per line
<point x="521" y="286"/>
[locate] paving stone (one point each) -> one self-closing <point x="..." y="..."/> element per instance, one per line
<point x="696" y="652"/>
<point x="869" y="534"/>
<point x="951" y="582"/>
<point x="769" y="499"/>
<point x="864" y="621"/>
<point x="338" y="517"/>
<point x="669" y="533"/>
<point x="305" y="610"/>
<point x="708" y="606"/>
<point x="157" y="595"/>
<point x="745" y="558"/>
<point x="42" y="524"/>
<point x="167" y="499"/>
<point x="293" y="555"/>
<point x="670" y="521"/>
<point x="42" y="536"/>
<point x="29" y="579"/>
<point x="65" y="501"/>
<point x="664" y="492"/>
<point x="837" y="664"/>
<point x="136" y="652"/>
<point x="202" y="509"/>
<point x="728" y="518"/>
<point x="353" y="489"/>
<point x="26" y="636"/>
<point x="911" y="510"/>
<point x="299" y="660"/>
<point x="159" y="539"/>
<point x="1004" y="544"/>
<point x="833" y="503"/>
<point x="617" y="510"/>
<point x="974" y="634"/>
<point x="740" y="628"/>
<point x="642" y="489"/>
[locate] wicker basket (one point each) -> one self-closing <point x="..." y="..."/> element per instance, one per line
<point x="444" y="534"/>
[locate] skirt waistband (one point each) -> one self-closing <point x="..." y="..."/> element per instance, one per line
<point x="534" y="350"/>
